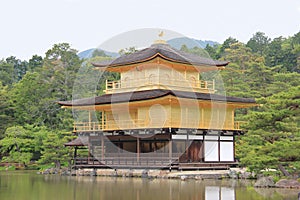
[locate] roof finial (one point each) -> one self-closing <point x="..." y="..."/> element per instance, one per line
<point x="160" y="40"/>
<point x="161" y="34"/>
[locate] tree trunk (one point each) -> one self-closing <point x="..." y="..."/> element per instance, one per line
<point x="283" y="170"/>
<point x="57" y="164"/>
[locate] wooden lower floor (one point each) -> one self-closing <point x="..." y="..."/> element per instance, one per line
<point x="188" y="150"/>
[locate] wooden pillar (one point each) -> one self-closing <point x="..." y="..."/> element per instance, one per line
<point x="202" y="118"/>
<point x="187" y="145"/>
<point x="90" y="120"/>
<point x="102" y="120"/>
<point x="75" y="152"/>
<point x="138" y="149"/>
<point x="219" y="147"/>
<point x="75" y="155"/>
<point x="89" y="149"/>
<point x="233" y="140"/>
<point x="102" y="147"/>
<point x="170" y="150"/>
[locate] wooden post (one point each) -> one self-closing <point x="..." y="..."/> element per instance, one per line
<point x="170" y="150"/>
<point x="138" y="149"/>
<point x="187" y="145"/>
<point x="89" y="149"/>
<point x="102" y="120"/>
<point x="202" y="118"/>
<point x="90" y="120"/>
<point x="219" y="147"/>
<point x="75" y="156"/>
<point x="102" y="147"/>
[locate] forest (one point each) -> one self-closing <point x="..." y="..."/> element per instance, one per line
<point x="34" y="128"/>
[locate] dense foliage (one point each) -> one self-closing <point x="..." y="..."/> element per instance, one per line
<point x="34" y="127"/>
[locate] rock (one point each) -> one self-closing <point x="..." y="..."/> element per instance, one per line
<point x="129" y="173"/>
<point x="288" y="183"/>
<point x="212" y="176"/>
<point x="183" y="178"/>
<point x="265" y="182"/>
<point x="246" y="175"/>
<point x="144" y="174"/>
<point x="93" y="173"/>
<point x="233" y="174"/>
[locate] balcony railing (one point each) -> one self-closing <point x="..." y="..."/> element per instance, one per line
<point x="120" y="85"/>
<point x="87" y="126"/>
<point x="237" y="125"/>
<point x="142" y="124"/>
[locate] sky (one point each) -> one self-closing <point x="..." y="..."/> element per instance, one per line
<point x="30" y="27"/>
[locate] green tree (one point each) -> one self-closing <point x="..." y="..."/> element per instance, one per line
<point x="274" y="53"/>
<point x="35" y="62"/>
<point x="99" y="52"/>
<point x="54" y="150"/>
<point x="259" y="78"/>
<point x="60" y="68"/>
<point x="212" y="51"/>
<point x="32" y="99"/>
<point x="6" y="109"/>
<point x="20" y="67"/>
<point x="273" y="135"/>
<point x="17" y="145"/>
<point x="258" y="43"/>
<point x="226" y="44"/>
<point x="7" y="73"/>
<point x="127" y="51"/>
<point x="195" y="50"/>
<point x="35" y="96"/>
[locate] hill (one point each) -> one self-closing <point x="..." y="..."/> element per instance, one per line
<point x="176" y="43"/>
<point x="88" y="53"/>
<point x="190" y="42"/>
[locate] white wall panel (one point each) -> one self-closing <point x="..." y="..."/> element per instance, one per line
<point x="226" y="151"/>
<point x="211" y="151"/>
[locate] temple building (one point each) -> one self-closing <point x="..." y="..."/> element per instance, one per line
<point x="160" y="114"/>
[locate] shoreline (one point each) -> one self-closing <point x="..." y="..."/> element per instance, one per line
<point x="235" y="173"/>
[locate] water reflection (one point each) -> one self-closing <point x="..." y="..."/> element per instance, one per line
<point x="20" y="185"/>
<point x="219" y="193"/>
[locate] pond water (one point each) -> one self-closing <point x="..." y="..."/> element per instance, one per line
<point x="27" y="185"/>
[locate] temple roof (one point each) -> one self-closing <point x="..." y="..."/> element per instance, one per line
<point x="165" y="51"/>
<point x="80" y="141"/>
<point x="151" y="94"/>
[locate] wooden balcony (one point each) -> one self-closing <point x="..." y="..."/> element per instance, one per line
<point x="87" y="127"/>
<point x="123" y="160"/>
<point x="142" y="124"/>
<point x="147" y="162"/>
<point x="158" y="82"/>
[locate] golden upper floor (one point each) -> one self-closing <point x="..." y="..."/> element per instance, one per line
<point x="155" y="109"/>
<point x="160" y="67"/>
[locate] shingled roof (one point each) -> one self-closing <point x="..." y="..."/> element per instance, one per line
<point x="80" y="141"/>
<point x="150" y="94"/>
<point x="165" y="51"/>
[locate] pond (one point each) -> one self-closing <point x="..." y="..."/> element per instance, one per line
<point x="29" y="185"/>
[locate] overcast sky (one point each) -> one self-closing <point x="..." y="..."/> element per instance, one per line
<point x="31" y="27"/>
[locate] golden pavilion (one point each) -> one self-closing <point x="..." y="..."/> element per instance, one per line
<point x="159" y="114"/>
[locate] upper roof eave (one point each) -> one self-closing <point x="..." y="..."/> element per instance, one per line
<point x="152" y="94"/>
<point x="165" y="51"/>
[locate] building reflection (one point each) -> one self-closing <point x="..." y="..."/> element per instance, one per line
<point x="219" y="193"/>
